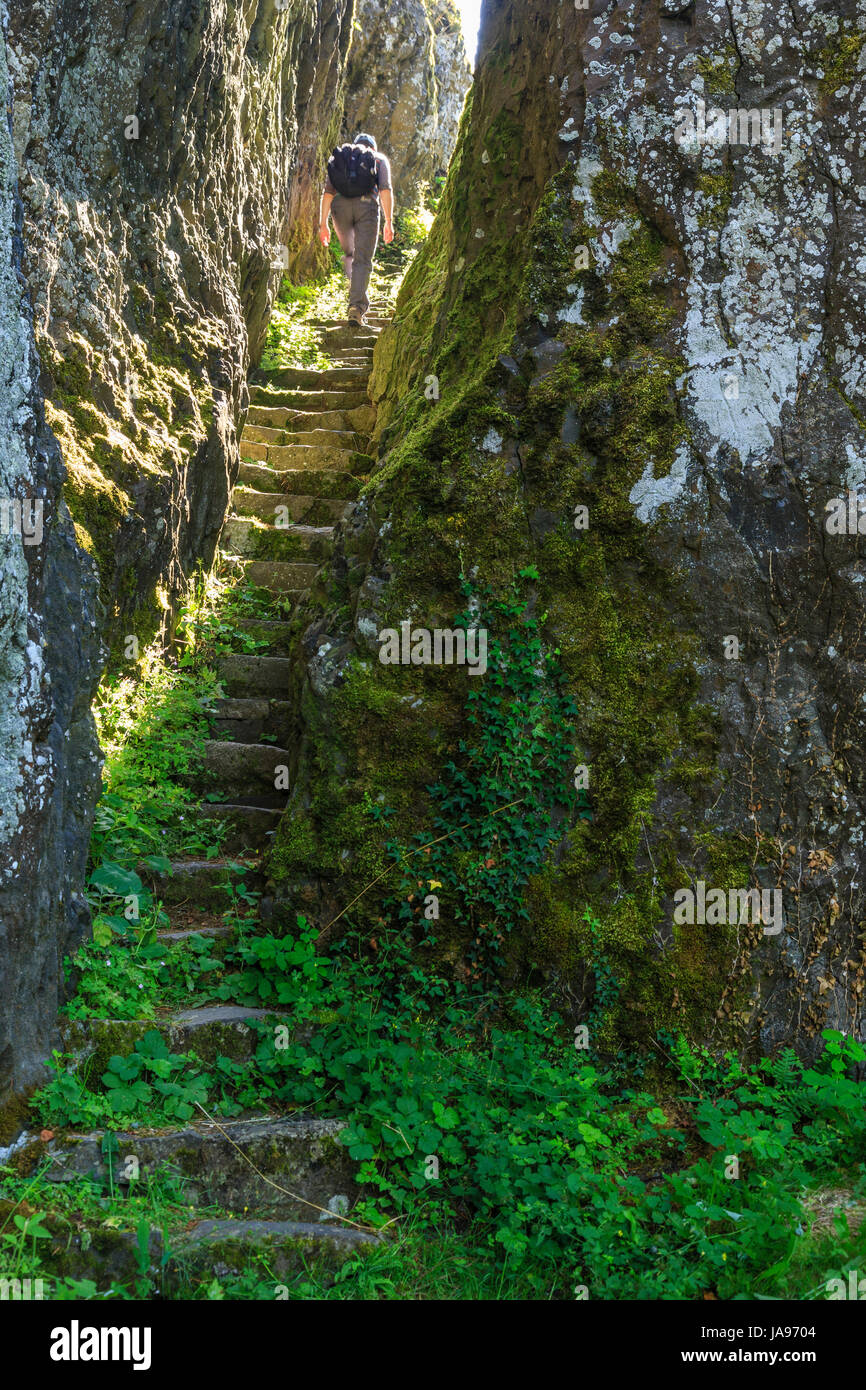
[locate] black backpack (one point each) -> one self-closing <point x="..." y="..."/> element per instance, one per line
<point x="353" y="171"/>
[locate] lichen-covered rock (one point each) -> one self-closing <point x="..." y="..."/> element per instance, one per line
<point x="407" y="79"/>
<point x="49" y="655"/>
<point x="620" y="310"/>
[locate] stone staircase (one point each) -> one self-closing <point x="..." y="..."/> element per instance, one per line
<point x="287" y="1181"/>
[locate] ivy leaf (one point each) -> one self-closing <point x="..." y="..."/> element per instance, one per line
<point x="116" y="880"/>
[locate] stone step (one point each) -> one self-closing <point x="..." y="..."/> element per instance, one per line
<point x="255" y="676"/>
<point x="305" y="511"/>
<point x="248" y="827"/>
<point x="308" y="400"/>
<point x="317" y="456"/>
<point x="307" y="483"/>
<point x="311" y="1175"/>
<point x="187" y="933"/>
<point x="285" y="580"/>
<point x="217" y="1029"/>
<point x="252" y="448"/>
<point x="351" y="331"/>
<point x="336" y="338"/>
<point x="292" y="1249"/>
<point x="361" y="419"/>
<point x="276" y="635"/>
<point x="308" y="379"/>
<point x="246" y="768"/>
<point x="286" y="1248"/>
<point x="335" y="439"/>
<point x="251" y="719"/>
<point x="204" y="882"/>
<point x="259" y="540"/>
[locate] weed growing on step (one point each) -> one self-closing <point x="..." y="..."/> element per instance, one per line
<point x="153" y="727"/>
<point x="128" y="979"/>
<point x="292" y="340"/>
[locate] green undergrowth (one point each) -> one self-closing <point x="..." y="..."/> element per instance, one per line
<point x="501" y="1136"/>
<point x="484" y="1124"/>
<point x="153" y="722"/>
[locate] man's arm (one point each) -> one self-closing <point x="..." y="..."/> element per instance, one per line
<point x="387" y="200"/>
<point x="324" y="214"/>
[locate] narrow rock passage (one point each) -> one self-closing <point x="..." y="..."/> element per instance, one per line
<point x="305" y="449"/>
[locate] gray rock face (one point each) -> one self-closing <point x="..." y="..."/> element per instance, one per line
<point x="49" y="652"/>
<point x="407" y="79"/>
<point x="157" y="150"/>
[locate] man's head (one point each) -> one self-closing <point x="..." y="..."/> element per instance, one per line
<point x="363" y="139"/>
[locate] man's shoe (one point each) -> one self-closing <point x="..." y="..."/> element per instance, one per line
<point x="355" y="316"/>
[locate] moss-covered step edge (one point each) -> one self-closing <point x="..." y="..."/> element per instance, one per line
<point x="242" y="769"/>
<point x="272" y="434"/>
<point x="253" y="720"/>
<point x="305" y="401"/>
<point x="330" y="378"/>
<point x="304" y="511"/>
<point x="279" y="1168"/>
<point x="257" y="540"/>
<point x="303" y="481"/>
<point x="359" y="420"/>
<point x="203" y="882"/>
<point x="86" y="1250"/>
<point x="217" y="1030"/>
<point x="247" y="827"/>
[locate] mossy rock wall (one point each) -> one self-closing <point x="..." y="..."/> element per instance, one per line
<point x="668" y="334"/>
<point x="165" y="157"/>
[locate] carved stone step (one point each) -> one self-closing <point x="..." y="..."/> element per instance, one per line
<point x="309" y="1169"/>
<point x="361" y="419"/>
<point x="246" y="768"/>
<point x="334" y="439"/>
<point x="305" y="511"/>
<point x="255" y="676"/>
<point x="265" y="540"/>
<point x="310" y="379"/>
<point x="307" y="400"/>
<point x="248" y="827"/>
<point x="217" y="1029"/>
<point x="287" y="1248"/>
<point x="277" y="635"/>
<point x="300" y="481"/>
<point x="316" y="456"/>
<point x="284" y="580"/>
<point x="202" y="882"/>
<point x="249" y="720"/>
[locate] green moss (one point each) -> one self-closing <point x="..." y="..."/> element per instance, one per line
<point x="371" y="752"/>
<point x="840" y="60"/>
<point x="14" y="1116"/>
<point x="719" y="71"/>
<point x="716" y="193"/>
<point x="616" y="614"/>
<point x="124" y="452"/>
